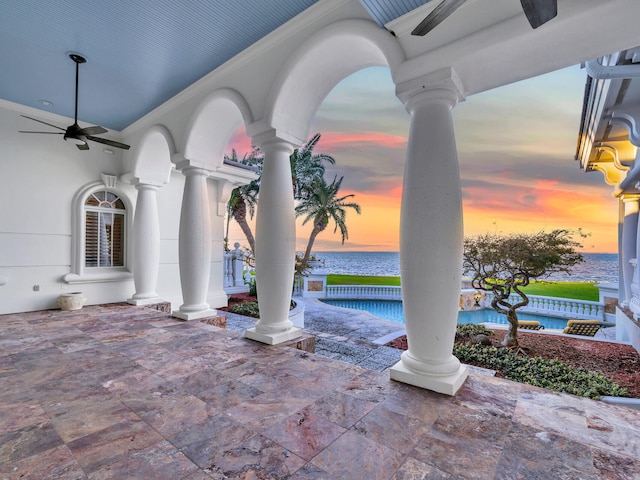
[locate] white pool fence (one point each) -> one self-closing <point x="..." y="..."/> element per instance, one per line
<point x="557" y="307"/>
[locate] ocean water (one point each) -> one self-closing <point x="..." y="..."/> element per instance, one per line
<point x="597" y="267"/>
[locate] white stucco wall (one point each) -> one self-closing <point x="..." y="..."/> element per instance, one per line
<point x="39" y="176"/>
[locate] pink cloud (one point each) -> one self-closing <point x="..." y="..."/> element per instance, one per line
<point x="240" y="141"/>
<point x="332" y="141"/>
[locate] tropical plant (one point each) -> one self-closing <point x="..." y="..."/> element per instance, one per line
<point x="504" y="264"/>
<point x="243" y="199"/>
<point x="322" y="205"/>
<point x="306" y="167"/>
<point x="551" y="374"/>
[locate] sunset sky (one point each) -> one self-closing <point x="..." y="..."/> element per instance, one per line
<point x="516" y="147"/>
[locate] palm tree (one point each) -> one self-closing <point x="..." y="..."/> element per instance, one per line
<point x="320" y="206"/>
<point x="307" y="167"/>
<point x="244" y="198"/>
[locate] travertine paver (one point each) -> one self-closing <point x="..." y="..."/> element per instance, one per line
<point x="118" y="391"/>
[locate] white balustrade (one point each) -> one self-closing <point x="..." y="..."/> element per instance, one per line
<point x="377" y="292"/>
<point x="559" y="307"/>
<point x="233" y="270"/>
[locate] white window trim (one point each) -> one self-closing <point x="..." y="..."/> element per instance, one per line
<point x="79" y="272"/>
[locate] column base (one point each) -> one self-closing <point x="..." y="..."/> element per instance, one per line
<point x="447" y="384"/>
<point x="272" y="338"/>
<point x="218" y="299"/>
<point x="144" y="301"/>
<point x="194" y="315"/>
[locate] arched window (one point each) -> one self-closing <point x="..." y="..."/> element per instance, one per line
<point x="101" y="222"/>
<point x="105" y="229"/>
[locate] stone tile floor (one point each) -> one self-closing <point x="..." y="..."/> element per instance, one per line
<point x="126" y="392"/>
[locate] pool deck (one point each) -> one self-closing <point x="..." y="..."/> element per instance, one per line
<point x="124" y="392"/>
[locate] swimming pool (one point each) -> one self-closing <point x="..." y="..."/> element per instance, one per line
<point x="392" y="310"/>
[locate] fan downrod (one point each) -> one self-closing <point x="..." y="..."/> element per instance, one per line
<point x="76" y="57"/>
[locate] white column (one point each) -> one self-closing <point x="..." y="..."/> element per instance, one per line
<point x="218" y="194"/>
<point x="431" y="236"/>
<point x="275" y="246"/>
<point x="146" y="245"/>
<point x="629" y="240"/>
<point x="194" y="246"/>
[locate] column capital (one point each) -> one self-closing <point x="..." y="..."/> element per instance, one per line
<point x="141" y="184"/>
<point x="183" y="164"/>
<point x="443" y="84"/>
<point x="272" y="141"/>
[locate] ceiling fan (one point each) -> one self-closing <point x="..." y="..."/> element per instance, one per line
<point x="538" y="12"/>
<point x="73" y="133"/>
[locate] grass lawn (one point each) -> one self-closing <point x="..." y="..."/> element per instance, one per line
<point x="577" y="290"/>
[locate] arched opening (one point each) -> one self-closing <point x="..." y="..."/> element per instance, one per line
<point x="212" y="125"/>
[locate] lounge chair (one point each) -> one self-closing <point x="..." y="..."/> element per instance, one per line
<point x="530" y="325"/>
<point x="587" y="328"/>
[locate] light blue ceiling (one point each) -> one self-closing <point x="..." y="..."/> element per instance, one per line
<point x="140" y="52"/>
<point x="383" y="11"/>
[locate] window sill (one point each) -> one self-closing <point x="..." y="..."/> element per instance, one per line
<point x="98" y="277"/>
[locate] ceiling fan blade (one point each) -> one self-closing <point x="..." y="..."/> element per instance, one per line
<point x="92" y="130"/>
<point x="111" y="143"/>
<point x="40" y="121"/>
<point x="50" y="133"/>
<point x="539" y="12"/>
<point x="438" y="15"/>
<point x="82" y="146"/>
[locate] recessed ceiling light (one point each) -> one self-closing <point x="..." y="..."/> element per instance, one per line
<point x="107" y="151"/>
<point x="45" y="103"/>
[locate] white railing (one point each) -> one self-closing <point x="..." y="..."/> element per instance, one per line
<point x="558" y="307"/>
<point x="377" y="292"/>
<point x="233" y="270"/>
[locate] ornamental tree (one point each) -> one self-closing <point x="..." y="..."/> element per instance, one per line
<point x="504" y="265"/>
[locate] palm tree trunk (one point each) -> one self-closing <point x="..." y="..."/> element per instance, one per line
<point x="317" y="228"/>
<point x="240" y="216"/>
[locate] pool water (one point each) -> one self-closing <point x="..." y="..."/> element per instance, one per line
<point x="392" y="310"/>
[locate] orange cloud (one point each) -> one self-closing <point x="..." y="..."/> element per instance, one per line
<point x="549" y="206"/>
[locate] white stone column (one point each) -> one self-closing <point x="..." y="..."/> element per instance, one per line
<point x="146" y="245"/>
<point x="431" y="235"/>
<point x="275" y="246"/>
<point x="629" y="241"/>
<point x="194" y="246"/>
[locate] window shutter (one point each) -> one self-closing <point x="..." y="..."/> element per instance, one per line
<point x="105" y="239"/>
<point x="91" y="240"/>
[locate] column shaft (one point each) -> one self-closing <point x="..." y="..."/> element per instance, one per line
<point x="275" y="246"/>
<point x="431" y="237"/>
<point x="629" y="240"/>
<point x="194" y="246"/>
<point x="146" y="245"/>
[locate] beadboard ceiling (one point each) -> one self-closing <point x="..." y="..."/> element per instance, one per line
<point x="140" y="53"/>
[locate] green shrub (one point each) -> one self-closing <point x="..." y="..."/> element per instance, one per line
<point x="464" y="330"/>
<point x="551" y="374"/>
<point x="248" y="309"/>
<point x="253" y="287"/>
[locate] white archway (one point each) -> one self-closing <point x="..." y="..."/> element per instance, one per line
<point x="207" y="180"/>
<point x="328" y="57"/>
<point x="211" y="126"/>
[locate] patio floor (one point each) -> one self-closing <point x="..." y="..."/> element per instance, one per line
<point x="126" y="392"/>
